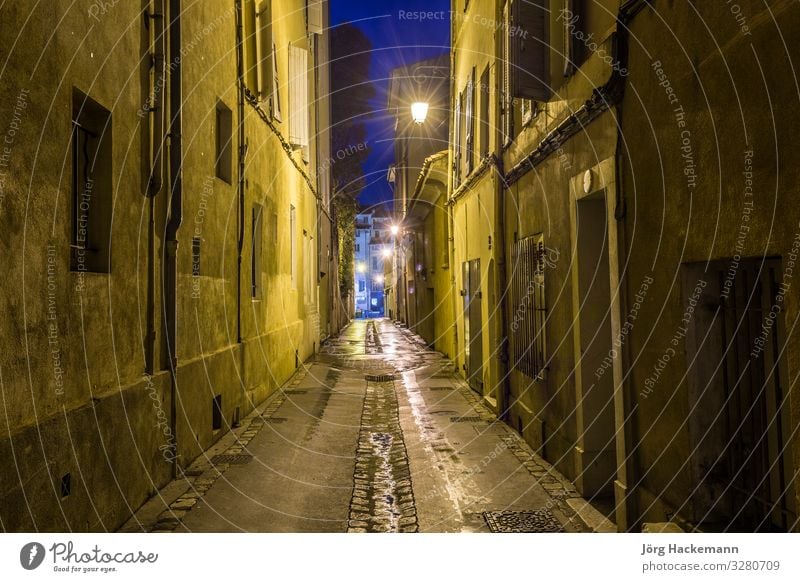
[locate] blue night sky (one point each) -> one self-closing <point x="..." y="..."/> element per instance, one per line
<point x="396" y="41"/>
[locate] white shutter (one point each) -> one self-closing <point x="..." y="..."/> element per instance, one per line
<point x="298" y="96"/>
<point x="264" y="50"/>
<point x="315" y="24"/>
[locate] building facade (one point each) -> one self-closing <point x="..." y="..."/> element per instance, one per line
<point x="373" y="249"/>
<point x="189" y="136"/>
<point x="620" y="295"/>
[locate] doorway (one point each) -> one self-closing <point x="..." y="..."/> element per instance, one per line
<point x="473" y="325"/>
<point x="596" y="453"/>
<point x="740" y="428"/>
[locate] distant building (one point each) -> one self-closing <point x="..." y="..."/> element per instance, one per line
<point x="373" y="248"/>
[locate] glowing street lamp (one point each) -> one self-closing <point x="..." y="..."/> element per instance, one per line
<point x="395" y="229"/>
<point x="361" y="268"/>
<point x="379" y="278"/>
<point x="419" y="111"/>
<point x="387" y="253"/>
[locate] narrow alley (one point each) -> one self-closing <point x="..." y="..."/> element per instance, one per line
<point x="375" y="435"/>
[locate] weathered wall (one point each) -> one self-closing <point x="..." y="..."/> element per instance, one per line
<point x="79" y="396"/>
<point x="702" y="98"/>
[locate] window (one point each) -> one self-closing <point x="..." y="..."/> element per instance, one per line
<point x="358" y="248"/>
<point x="293" y="244"/>
<point x="470" y="119"/>
<point x="255" y="255"/>
<point x="527" y="109"/>
<point x="362" y="285"/>
<point x="528" y="309"/>
<point x="575" y="50"/>
<point x="298" y="96"/>
<point x="484" y="120"/>
<point x="374" y="263"/>
<point x="530" y="57"/>
<point x="224" y="133"/>
<point x="250" y="46"/>
<point x="91" y="185"/>
<point x="264" y="55"/>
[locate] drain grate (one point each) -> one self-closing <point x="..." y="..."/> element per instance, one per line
<point x="539" y="521"/>
<point x="379" y="377"/>
<point x="465" y="419"/>
<point x="295" y="392"/>
<point x="231" y="459"/>
<point x="440" y="388"/>
<point x="276" y="419"/>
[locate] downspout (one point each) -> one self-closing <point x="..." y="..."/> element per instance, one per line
<point x="241" y="151"/>
<point x="156" y="176"/>
<point x="175" y="212"/>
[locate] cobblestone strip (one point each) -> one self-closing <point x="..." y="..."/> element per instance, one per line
<point x="207" y="474"/>
<point x="383" y="497"/>
<point x="557" y="486"/>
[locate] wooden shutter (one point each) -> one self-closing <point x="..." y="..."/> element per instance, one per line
<point x="470" y="121"/>
<point x="530" y="52"/>
<point x="315" y="24"/>
<point x="264" y="50"/>
<point x="250" y="32"/>
<point x="298" y="96"/>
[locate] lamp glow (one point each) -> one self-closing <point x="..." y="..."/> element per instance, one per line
<point x="387" y="253"/>
<point x="419" y="111"/>
<point x="395" y="229"/>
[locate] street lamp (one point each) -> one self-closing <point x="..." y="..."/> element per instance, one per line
<point x="361" y="268"/>
<point x="395" y="229"/>
<point x="419" y="111"/>
<point x="387" y="253"/>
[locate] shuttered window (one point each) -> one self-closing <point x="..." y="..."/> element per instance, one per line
<point x="483" y="119"/>
<point x="529" y="38"/>
<point x="528" y="308"/>
<point x="298" y="96"/>
<point x="315" y="24"/>
<point x="457" y="142"/>
<point x="470" y="122"/>
<point x="264" y="51"/>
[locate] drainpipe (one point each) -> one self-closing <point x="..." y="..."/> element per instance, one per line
<point x="241" y="152"/>
<point x="156" y="176"/>
<point x="175" y="212"/>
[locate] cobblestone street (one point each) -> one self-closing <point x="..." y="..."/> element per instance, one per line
<point x="375" y="435"/>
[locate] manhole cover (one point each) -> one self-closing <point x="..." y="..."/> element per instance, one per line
<point x="539" y="521"/>
<point x="231" y="459"/>
<point x="379" y="377"/>
<point x="294" y="392"/>
<point x="465" y="419"/>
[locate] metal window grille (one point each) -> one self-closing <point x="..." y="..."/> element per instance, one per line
<point x="528" y="307"/>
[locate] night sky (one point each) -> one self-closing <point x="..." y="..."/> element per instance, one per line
<point x="396" y="40"/>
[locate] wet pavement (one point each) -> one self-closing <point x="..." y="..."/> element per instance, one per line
<point x="377" y="434"/>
